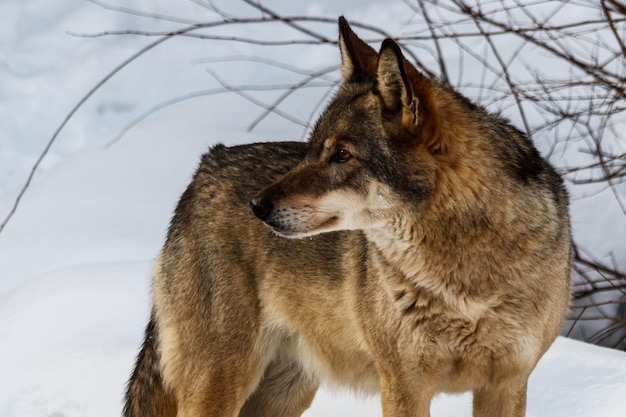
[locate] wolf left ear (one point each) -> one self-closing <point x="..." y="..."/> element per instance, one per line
<point x="394" y="86"/>
<point x="358" y="59"/>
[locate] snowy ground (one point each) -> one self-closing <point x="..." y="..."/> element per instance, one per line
<point x="75" y="260"/>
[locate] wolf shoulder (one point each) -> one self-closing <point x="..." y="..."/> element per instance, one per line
<point x="521" y="160"/>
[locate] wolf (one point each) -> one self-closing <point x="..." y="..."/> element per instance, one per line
<point x="416" y="244"/>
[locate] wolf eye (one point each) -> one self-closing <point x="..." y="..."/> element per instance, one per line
<point x="341" y="156"/>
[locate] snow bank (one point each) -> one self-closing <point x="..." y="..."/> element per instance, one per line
<point x="70" y="331"/>
<point x="76" y="264"/>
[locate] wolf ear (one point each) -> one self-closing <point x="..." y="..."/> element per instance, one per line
<point x="358" y="59"/>
<point x="394" y="86"/>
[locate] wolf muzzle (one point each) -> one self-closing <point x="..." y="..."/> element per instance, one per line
<point x="284" y="222"/>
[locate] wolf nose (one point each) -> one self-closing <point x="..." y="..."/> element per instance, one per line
<point x="261" y="207"/>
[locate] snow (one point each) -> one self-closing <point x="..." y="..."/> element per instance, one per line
<point x="76" y="259"/>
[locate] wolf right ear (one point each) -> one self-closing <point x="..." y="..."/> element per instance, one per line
<point x="406" y="92"/>
<point x="358" y="59"/>
<point x="394" y="86"/>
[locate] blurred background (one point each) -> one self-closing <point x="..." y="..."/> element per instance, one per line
<point x="84" y="75"/>
<point x="107" y="105"/>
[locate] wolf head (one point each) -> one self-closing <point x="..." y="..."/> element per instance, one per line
<point x="372" y="153"/>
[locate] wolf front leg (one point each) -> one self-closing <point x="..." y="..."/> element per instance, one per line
<point x="405" y="398"/>
<point x="209" y="400"/>
<point x="218" y="391"/>
<point x="504" y="399"/>
<point x="212" y="355"/>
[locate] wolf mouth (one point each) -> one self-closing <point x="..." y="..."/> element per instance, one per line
<point x="295" y="233"/>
